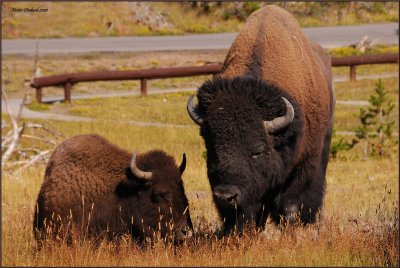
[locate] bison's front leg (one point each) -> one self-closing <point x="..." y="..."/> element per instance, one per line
<point x="301" y="198"/>
<point x="238" y="219"/>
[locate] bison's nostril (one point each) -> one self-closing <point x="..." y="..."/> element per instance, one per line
<point x="230" y="197"/>
<point x="187" y="233"/>
<point x="183" y="234"/>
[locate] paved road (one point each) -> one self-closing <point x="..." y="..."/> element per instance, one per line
<point x="326" y="36"/>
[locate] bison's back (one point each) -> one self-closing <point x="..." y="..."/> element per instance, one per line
<point x="273" y="47"/>
<point x="81" y="175"/>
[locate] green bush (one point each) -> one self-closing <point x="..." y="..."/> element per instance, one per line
<point x="35" y="106"/>
<point x="352" y="51"/>
<point x="343" y="52"/>
<point x="340" y="144"/>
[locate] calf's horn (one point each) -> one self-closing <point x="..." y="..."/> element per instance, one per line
<point x="143" y="175"/>
<point x="191" y="109"/>
<point x="280" y="122"/>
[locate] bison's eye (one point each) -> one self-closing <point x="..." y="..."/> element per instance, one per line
<point x="158" y="196"/>
<point x="257" y="155"/>
<point x="257" y="150"/>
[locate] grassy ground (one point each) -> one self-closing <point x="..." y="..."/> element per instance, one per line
<point x="359" y="227"/>
<point x="74" y="19"/>
<point x="170" y="106"/>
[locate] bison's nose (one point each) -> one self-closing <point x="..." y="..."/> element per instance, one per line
<point x="186" y="232"/>
<point x="229" y="195"/>
<point x="182" y="235"/>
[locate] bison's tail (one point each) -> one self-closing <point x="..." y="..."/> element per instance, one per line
<point x="37" y="224"/>
<point x="39" y="228"/>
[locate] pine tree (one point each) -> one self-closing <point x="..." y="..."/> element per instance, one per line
<point x="376" y="123"/>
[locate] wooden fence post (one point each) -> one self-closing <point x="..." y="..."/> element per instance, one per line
<point x="353" y="72"/>
<point x="39" y="95"/>
<point x="67" y="92"/>
<point x="143" y="87"/>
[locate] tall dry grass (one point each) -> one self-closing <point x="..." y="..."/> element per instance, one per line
<point x="359" y="227"/>
<point x="357" y="243"/>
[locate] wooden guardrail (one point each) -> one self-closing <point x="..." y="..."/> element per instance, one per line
<point x="354" y="61"/>
<point x="68" y="80"/>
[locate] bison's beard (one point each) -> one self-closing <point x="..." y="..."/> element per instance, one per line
<point x="237" y="207"/>
<point x="240" y="204"/>
<point x="234" y="219"/>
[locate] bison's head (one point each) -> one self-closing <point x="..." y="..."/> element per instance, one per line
<point x="250" y="129"/>
<point x="161" y="206"/>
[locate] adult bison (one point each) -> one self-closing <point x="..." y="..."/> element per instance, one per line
<point x="267" y="122"/>
<point x="99" y="190"/>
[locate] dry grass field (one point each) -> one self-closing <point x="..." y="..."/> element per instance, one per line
<point x="359" y="227"/>
<point x="360" y="223"/>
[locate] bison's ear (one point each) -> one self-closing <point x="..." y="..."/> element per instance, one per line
<point x="183" y="164"/>
<point x="127" y="188"/>
<point x="130" y="185"/>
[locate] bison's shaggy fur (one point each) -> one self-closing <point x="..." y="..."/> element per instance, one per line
<point x="256" y="170"/>
<point x="89" y="187"/>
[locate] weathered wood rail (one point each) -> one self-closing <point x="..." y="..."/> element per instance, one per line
<point x="68" y="80"/>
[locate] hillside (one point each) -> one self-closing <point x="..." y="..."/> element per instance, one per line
<point x="89" y="19"/>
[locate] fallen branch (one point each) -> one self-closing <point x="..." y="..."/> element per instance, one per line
<point x="8" y="137"/>
<point x="16" y="134"/>
<point x="35" y="150"/>
<point x="26" y="152"/>
<point x="42" y="126"/>
<point x="11" y="142"/>
<point x="52" y="142"/>
<point x="15" y="163"/>
<point x="32" y="161"/>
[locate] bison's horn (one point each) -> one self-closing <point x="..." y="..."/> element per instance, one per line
<point x="280" y="122"/>
<point x="144" y="175"/>
<point x="193" y="113"/>
<point x="183" y="164"/>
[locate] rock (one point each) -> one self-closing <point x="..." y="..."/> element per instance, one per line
<point x="144" y="14"/>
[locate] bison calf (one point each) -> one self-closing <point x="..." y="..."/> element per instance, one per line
<point x="95" y="188"/>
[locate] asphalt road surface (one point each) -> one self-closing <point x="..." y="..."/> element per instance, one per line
<point x="326" y="36"/>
